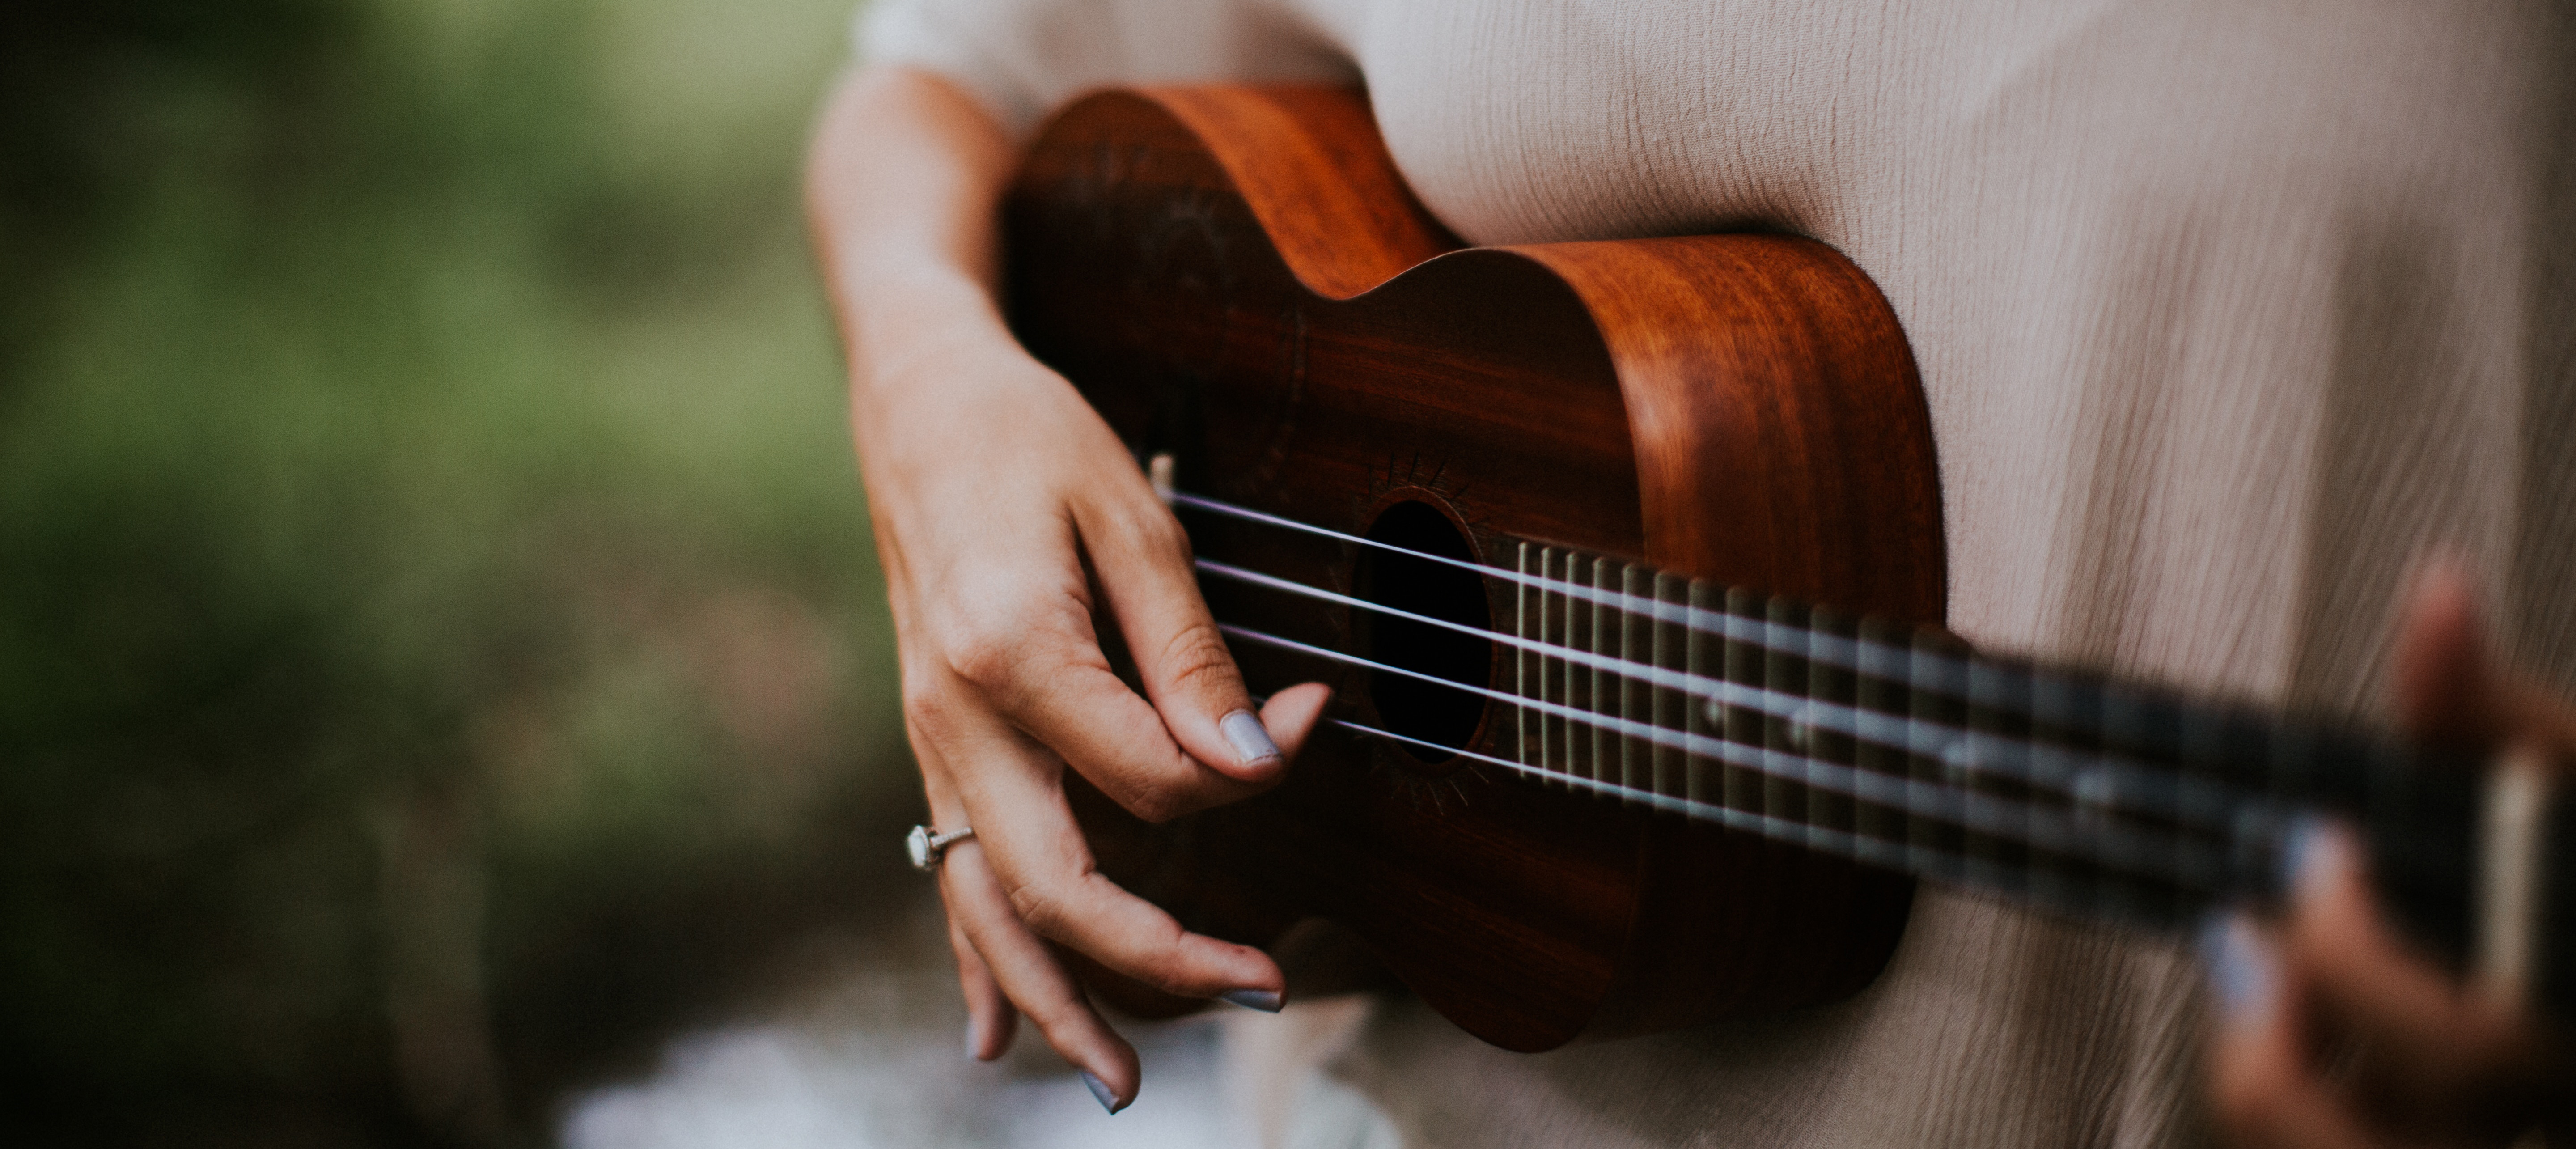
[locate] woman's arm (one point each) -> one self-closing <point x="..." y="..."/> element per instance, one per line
<point x="990" y="482"/>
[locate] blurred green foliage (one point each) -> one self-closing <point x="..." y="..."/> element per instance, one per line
<point x="439" y="638"/>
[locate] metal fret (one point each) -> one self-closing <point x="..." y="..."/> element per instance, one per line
<point x="1743" y="725"/>
<point x="1879" y="688"/>
<point x="1570" y="677"/>
<point x="1935" y="708"/>
<point x="1998" y="704"/>
<point x="2067" y="713"/>
<point x="1636" y="699"/>
<point x="1670" y="707"/>
<point x="1552" y="624"/>
<point x="2122" y="718"/>
<point x="1601" y="687"/>
<point x="1706" y="654"/>
<point x="1527" y="610"/>
<point x="1784" y="669"/>
<point x="1833" y="684"/>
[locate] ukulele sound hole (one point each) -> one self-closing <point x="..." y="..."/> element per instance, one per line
<point x="1411" y="706"/>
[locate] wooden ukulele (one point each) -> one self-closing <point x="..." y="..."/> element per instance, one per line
<point x="1552" y="519"/>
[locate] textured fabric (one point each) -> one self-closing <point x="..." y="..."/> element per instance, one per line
<point x="2225" y="312"/>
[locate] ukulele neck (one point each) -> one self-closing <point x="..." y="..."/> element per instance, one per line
<point x="2060" y="788"/>
<point x="1904" y="749"/>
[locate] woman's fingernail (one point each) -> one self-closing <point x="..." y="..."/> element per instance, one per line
<point x="974" y="1040"/>
<point x="2311" y="853"/>
<point x="2243" y="971"/>
<point x="1251" y="740"/>
<point x="1100" y="1091"/>
<point x="1265" y="1000"/>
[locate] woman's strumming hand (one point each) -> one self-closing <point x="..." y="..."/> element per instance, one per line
<point x="2330" y="1033"/>
<point x="1009" y="518"/>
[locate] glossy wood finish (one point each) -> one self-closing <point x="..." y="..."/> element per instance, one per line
<point x="1237" y="276"/>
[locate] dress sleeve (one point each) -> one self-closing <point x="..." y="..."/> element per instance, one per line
<point x="1023" y="57"/>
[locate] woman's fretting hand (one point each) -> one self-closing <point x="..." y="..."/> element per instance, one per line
<point x="1009" y="518"/>
<point x="2331" y="1033"/>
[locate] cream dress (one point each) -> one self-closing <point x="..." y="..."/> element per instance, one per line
<point x="2226" y="310"/>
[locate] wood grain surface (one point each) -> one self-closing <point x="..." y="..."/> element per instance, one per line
<point x="1238" y="277"/>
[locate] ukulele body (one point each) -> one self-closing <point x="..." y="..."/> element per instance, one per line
<point x="1237" y="277"/>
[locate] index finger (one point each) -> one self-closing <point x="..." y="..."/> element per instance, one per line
<point x="1143" y="561"/>
<point x="1036" y="662"/>
<point x="1047" y="675"/>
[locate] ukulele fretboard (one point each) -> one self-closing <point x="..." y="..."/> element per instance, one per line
<point x="1896" y="746"/>
<point x="1902" y="748"/>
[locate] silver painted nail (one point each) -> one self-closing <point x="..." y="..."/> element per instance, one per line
<point x="2308" y="855"/>
<point x="2242" y="969"/>
<point x="1100" y="1092"/>
<point x="1265" y="1000"/>
<point x="1251" y="740"/>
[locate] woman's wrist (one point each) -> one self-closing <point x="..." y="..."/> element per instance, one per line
<point x="902" y="316"/>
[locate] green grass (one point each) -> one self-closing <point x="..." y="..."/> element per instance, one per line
<point x="422" y="452"/>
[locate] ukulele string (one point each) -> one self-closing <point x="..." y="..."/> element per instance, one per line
<point x="2101" y="785"/>
<point x="2104" y="841"/>
<point x="1952" y="866"/>
<point x="2092" y="778"/>
<point x="1833" y="650"/>
<point x="2195" y="799"/>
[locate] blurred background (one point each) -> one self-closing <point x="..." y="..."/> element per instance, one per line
<point x="442" y="659"/>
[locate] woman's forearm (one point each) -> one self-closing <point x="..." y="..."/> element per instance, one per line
<point x="901" y="189"/>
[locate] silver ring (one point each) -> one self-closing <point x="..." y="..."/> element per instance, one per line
<point x="927" y="845"/>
